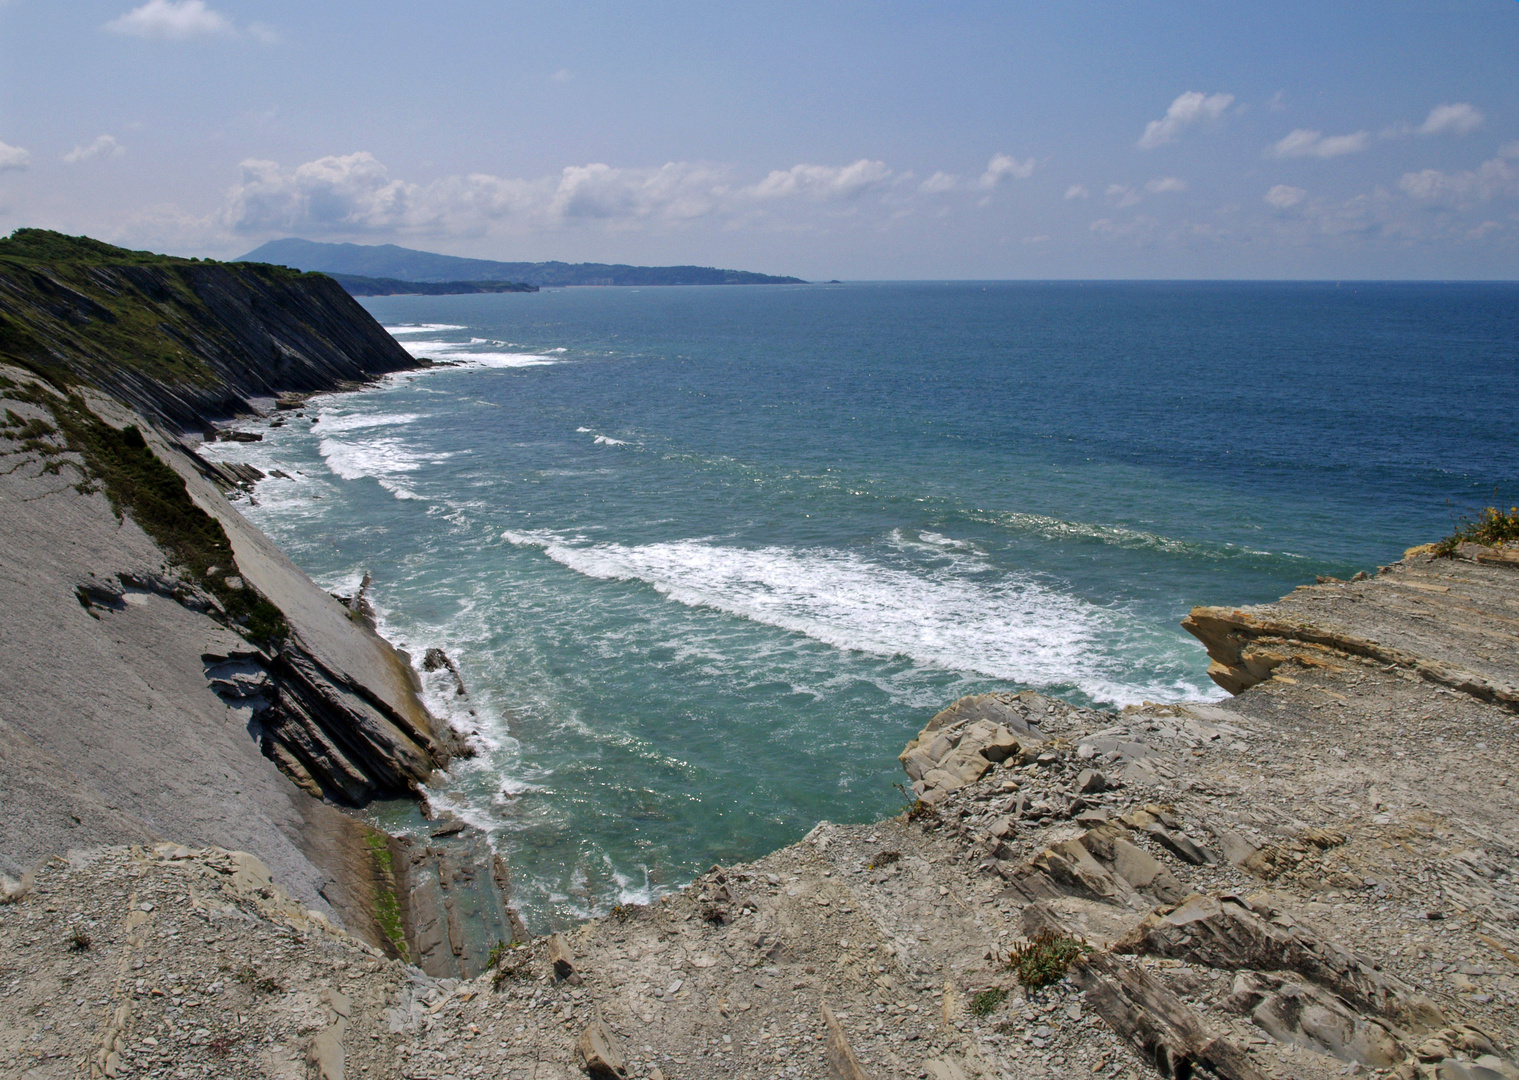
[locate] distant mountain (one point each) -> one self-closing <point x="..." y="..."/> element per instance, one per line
<point x="404" y="264"/>
<point x="386" y="286"/>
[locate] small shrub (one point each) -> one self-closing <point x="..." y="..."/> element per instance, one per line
<point x="1045" y="958"/>
<point x="264" y="984"/>
<point x="513" y="962"/>
<point x="882" y="859"/>
<point x="495" y="954"/>
<point x="79" y="940"/>
<point x="1491" y="526"/>
<point x="221" y="1045"/>
<point x="985" y="1003"/>
<point x="921" y="810"/>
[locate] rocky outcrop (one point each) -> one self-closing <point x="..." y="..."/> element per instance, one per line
<point x="181" y="340"/>
<point x="147" y="696"/>
<point x="1448" y="620"/>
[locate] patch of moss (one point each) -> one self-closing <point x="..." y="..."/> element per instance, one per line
<point x="140" y="485"/>
<point x="387" y="909"/>
<point x="985" y="1002"/>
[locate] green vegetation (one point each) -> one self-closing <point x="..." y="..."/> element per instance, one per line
<point x="1045" y="958"/>
<point x="387" y="909"/>
<point x="373" y="286"/>
<point x="985" y="1003"/>
<point x="1491" y="526"/>
<point x="138" y="484"/>
<point x="74" y="310"/>
<point x="46" y="246"/>
<point x="511" y="961"/>
<point x="265" y="984"/>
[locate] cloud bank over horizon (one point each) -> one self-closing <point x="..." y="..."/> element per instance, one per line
<point x="199" y="128"/>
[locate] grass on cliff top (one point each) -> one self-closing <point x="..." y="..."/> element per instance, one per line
<point x="138" y="484"/>
<point x="1491" y="526"/>
<point x="74" y="304"/>
<point x="47" y="246"/>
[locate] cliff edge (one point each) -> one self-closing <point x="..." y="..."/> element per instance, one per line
<point x="165" y="672"/>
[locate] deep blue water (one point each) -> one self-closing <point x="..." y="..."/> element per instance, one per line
<point x="708" y="556"/>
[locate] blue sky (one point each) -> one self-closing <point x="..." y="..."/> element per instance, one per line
<point x="851" y="140"/>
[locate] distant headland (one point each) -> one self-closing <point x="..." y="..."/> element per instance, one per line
<point x="398" y="264"/>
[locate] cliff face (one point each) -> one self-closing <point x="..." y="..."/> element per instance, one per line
<point x="165" y="671"/>
<point x="180" y="340"/>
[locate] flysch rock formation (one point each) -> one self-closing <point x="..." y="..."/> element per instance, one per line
<point x="1314" y="879"/>
<point x="133" y="710"/>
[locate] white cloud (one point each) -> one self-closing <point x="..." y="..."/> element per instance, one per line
<point x="1285" y="196"/>
<point x="263" y="33"/>
<point x="677" y="190"/>
<point x="1121" y="195"/>
<point x="1077" y="191"/>
<point x="13" y="157"/>
<point x="351" y="191"/>
<point x="939" y="183"/>
<point x="171" y="19"/>
<point x="103" y="144"/>
<point x="563" y="75"/>
<point x="1306" y="143"/>
<point x="1188" y="109"/>
<point x="822" y="182"/>
<point x="1001" y="167"/>
<point x="1277" y="101"/>
<point x="1165" y="184"/>
<point x="1495" y="178"/>
<point x="1459" y="119"/>
<point x="355" y="193"/>
<point x="1141" y="229"/>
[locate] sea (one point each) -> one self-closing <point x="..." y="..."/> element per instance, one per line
<point x="707" y="557"/>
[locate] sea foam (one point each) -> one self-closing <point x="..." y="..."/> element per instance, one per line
<point x="422" y="328"/>
<point x="460" y="353"/>
<point x="961" y="616"/>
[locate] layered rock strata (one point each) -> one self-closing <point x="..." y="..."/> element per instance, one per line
<point x="182" y="341"/>
<point x="1312" y="880"/>
<point x="135" y="707"/>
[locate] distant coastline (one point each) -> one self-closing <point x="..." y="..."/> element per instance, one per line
<point x="358" y="285"/>
<point x="390" y="262"/>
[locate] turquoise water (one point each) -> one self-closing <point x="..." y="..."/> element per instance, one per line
<point x="707" y="557"/>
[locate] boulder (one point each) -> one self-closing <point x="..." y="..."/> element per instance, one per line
<point x="995" y="708"/>
<point x="1232" y="933"/>
<point x="1090" y="781"/>
<point x="600" y="1053"/>
<point x="1295" y="1012"/>
<point x="561" y="956"/>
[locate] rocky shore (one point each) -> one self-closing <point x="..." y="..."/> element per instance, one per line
<point x="1313" y="879"/>
<point x="165" y="671"/>
<point x="1318" y="877"/>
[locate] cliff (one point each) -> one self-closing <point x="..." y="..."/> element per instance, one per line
<point x="180" y="340"/>
<point x="1314" y="878"/>
<point x="165" y="672"/>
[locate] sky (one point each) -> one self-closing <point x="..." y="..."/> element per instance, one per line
<point x="888" y="140"/>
